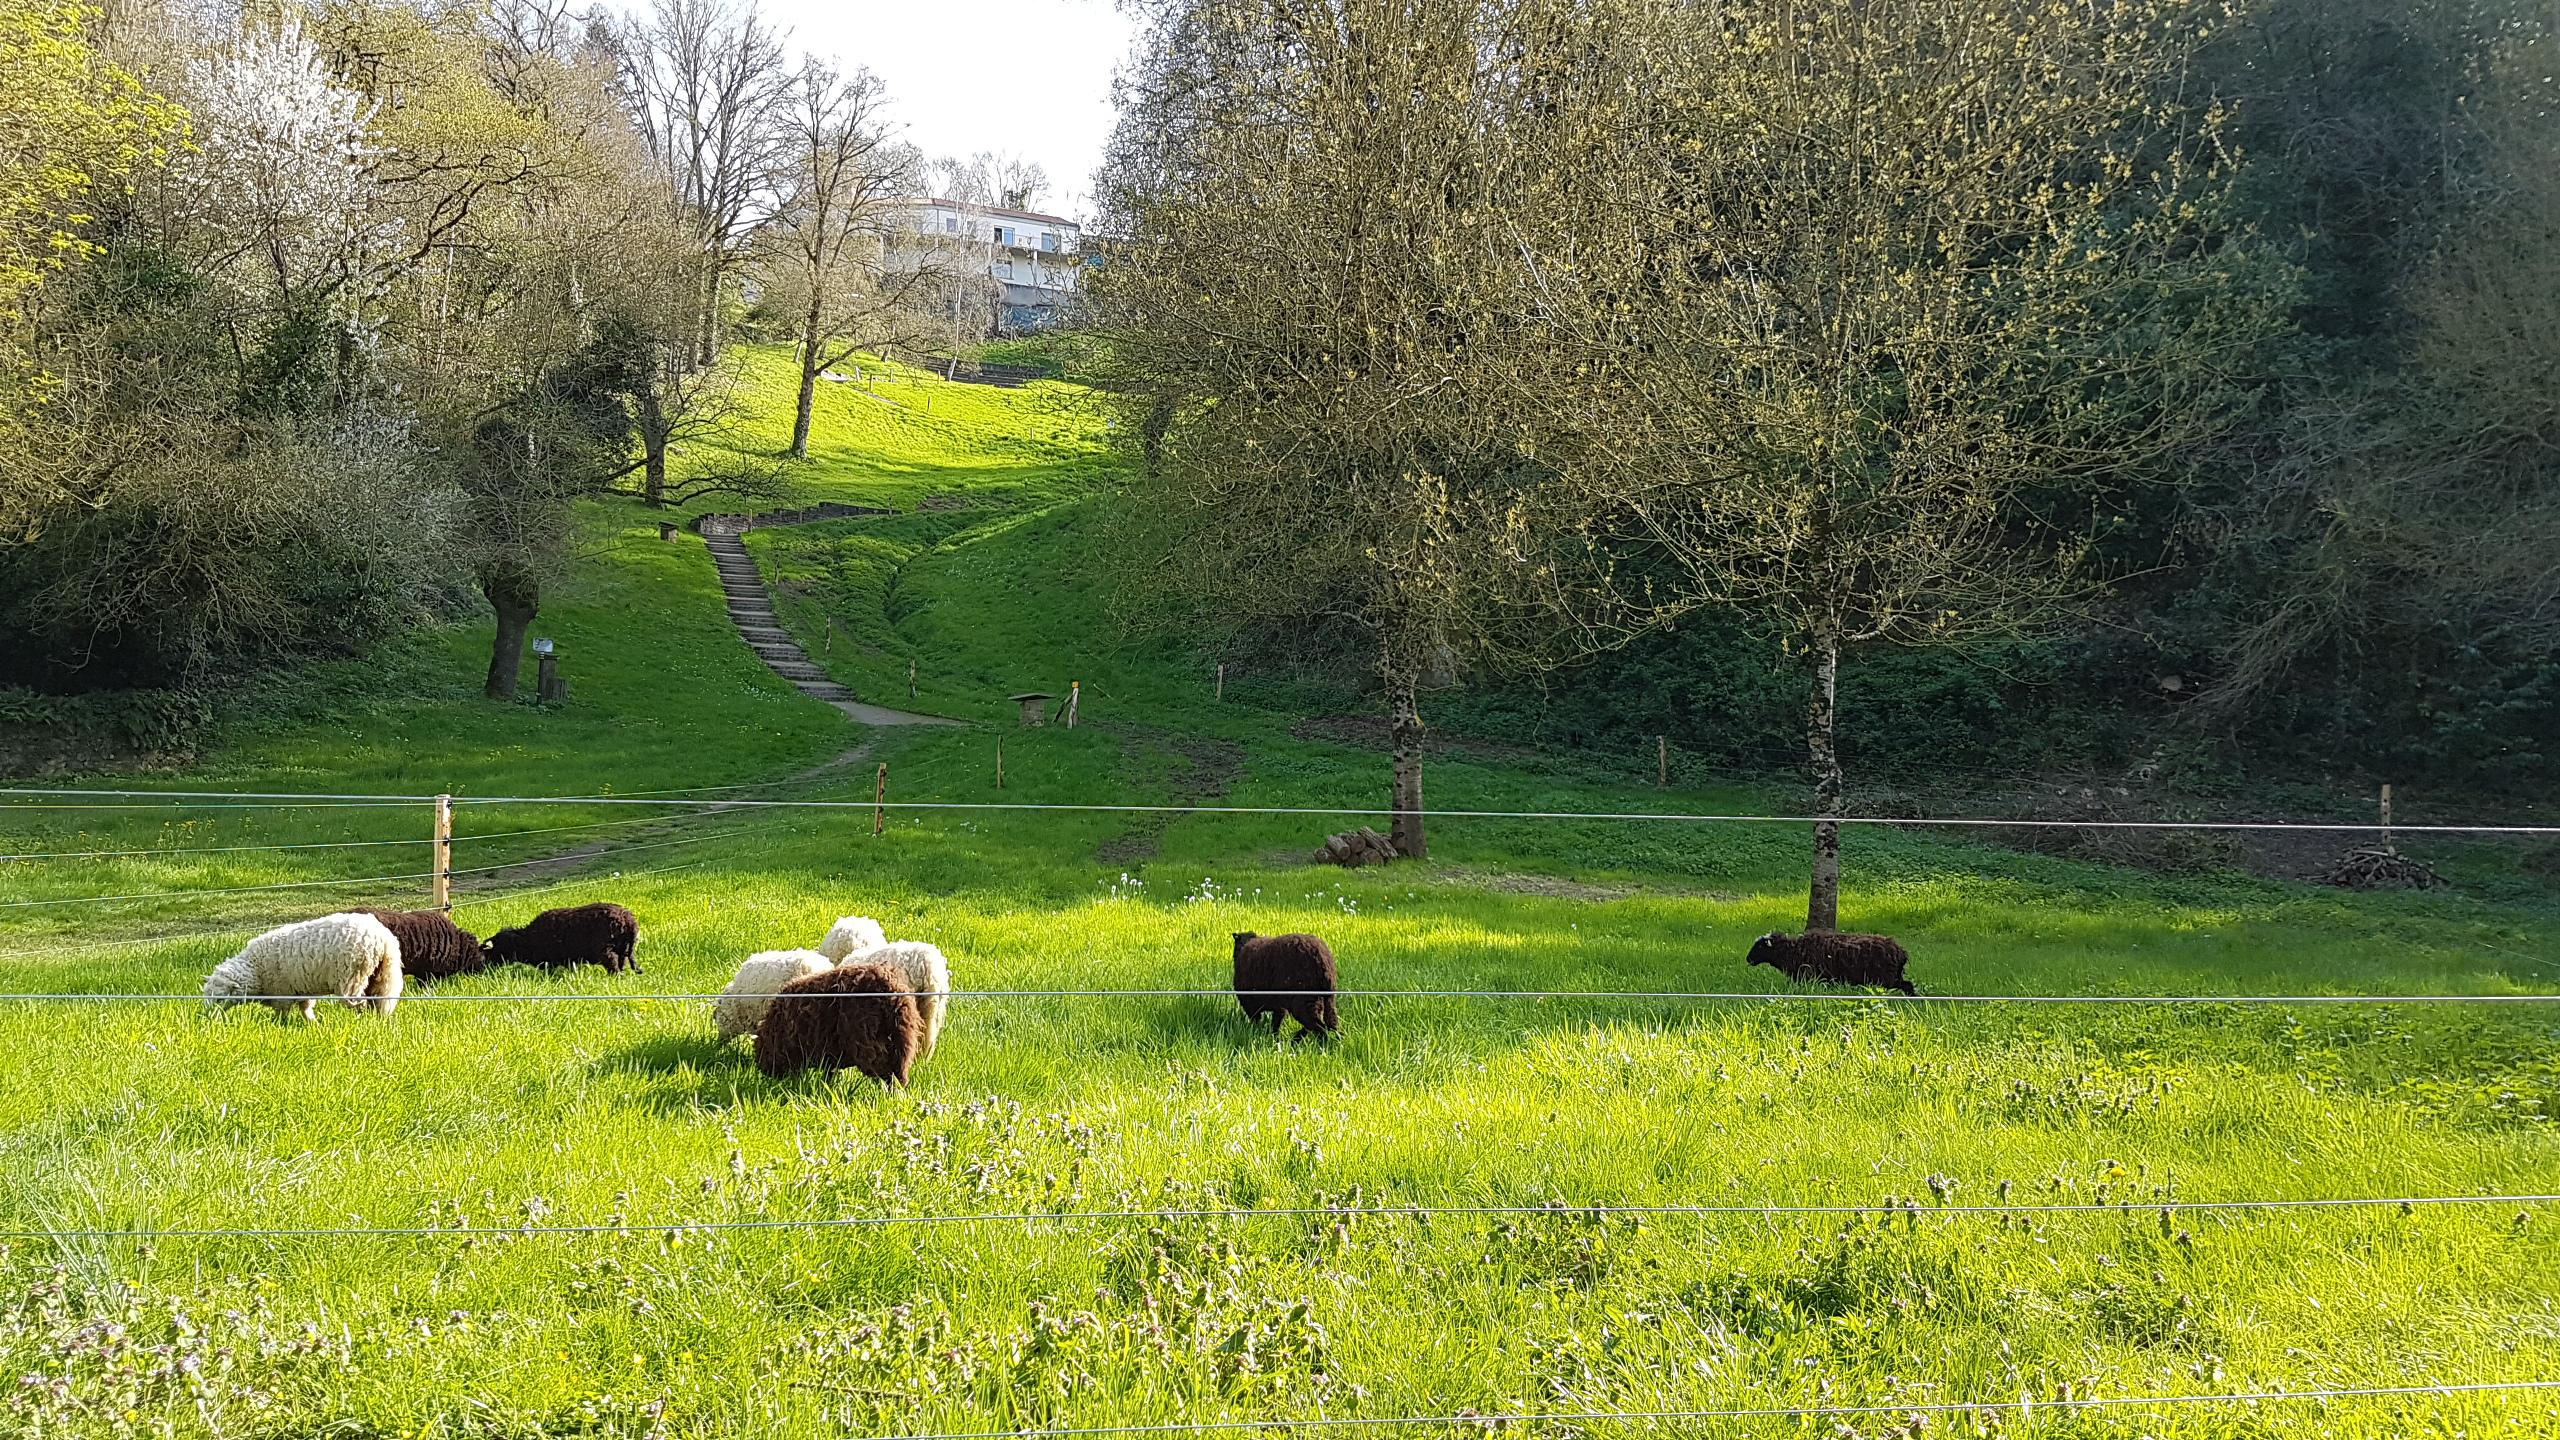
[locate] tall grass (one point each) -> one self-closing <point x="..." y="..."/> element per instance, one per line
<point x="468" y="1110"/>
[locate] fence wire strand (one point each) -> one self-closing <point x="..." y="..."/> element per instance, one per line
<point x="1556" y="1209"/>
<point x="1213" y="993"/>
<point x="1496" y="1419"/>
<point x="2343" y="827"/>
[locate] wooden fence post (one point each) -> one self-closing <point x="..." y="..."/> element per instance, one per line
<point x="1074" y="688"/>
<point x="911" y="678"/>
<point x="2386" y="817"/>
<point x="440" y="855"/>
<point x="999" y="762"/>
<point x="880" y="802"/>
<point x="1661" y="763"/>
<point x="1222" y="681"/>
<point x="831" y="634"/>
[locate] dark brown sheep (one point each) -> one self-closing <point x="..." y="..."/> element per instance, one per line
<point x="431" y="945"/>
<point x="856" y="1016"/>
<point x="1287" y="975"/>
<point x="1836" y="959"/>
<point x="600" y="934"/>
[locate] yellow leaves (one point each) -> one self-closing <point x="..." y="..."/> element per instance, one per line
<point x="73" y="122"/>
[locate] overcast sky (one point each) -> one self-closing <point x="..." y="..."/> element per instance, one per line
<point x="1026" y="77"/>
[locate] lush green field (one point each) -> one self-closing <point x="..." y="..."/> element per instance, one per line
<point x="471" y="1110"/>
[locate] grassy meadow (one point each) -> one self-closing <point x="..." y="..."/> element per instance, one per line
<point x="475" y="1111"/>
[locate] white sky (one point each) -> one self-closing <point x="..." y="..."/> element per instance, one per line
<point x="1024" y="77"/>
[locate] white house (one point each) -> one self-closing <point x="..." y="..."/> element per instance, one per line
<point x="1031" y="256"/>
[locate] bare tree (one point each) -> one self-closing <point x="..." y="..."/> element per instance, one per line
<point x="705" y="82"/>
<point x="831" y="250"/>
<point x="990" y="178"/>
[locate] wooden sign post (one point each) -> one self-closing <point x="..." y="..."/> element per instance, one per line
<point x="1661" y="763"/>
<point x="880" y="802"/>
<point x="1074" y="689"/>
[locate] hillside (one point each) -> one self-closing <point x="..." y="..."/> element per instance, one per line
<point x="1257" y="1242"/>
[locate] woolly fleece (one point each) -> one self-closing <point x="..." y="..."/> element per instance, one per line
<point x="925" y="972"/>
<point x="740" y="1008"/>
<point x="851" y="934"/>
<point x="352" y="956"/>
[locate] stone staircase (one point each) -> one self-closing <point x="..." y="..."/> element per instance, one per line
<point x="751" y="609"/>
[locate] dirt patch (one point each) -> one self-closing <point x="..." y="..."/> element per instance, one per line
<point x="1371" y="732"/>
<point x="1551" y="886"/>
<point x="1194" y="769"/>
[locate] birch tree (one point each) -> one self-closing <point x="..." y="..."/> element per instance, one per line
<point x="1927" y="280"/>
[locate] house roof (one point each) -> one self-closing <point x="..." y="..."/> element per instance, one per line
<point x="978" y="209"/>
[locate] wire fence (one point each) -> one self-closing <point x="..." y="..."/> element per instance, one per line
<point x="2326" y="826"/>
<point x="1854" y="997"/>
<point x="2164" y="1208"/>
<point x="354" y="880"/>
<point x="2024" y="1407"/>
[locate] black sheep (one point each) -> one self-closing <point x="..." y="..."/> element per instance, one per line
<point x="600" y="934"/>
<point x="1836" y="959"/>
<point x="431" y="945"/>
<point x="1287" y="975"/>
<point x="857" y="1016"/>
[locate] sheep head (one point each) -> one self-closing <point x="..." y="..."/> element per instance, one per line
<point x="231" y="983"/>
<point x="1765" y="950"/>
<point x="1242" y="936"/>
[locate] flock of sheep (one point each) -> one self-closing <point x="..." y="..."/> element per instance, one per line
<point x="859" y="1001"/>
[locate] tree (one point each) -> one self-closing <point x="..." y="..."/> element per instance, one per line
<point x="1927" y="281"/>
<point x="76" y="123"/>
<point x="1316" y="327"/>
<point x="705" y="82"/>
<point x="830" y="244"/>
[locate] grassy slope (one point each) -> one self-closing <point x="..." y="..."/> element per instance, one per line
<point x="153" y="1117"/>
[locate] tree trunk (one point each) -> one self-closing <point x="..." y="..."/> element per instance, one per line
<point x="809" y="358"/>
<point x="1406" y="741"/>
<point x="516" y="594"/>
<point x="1821" y="723"/>
<point x="653" y="448"/>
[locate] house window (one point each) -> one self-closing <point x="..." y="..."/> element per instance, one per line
<point x="950" y="224"/>
<point x="1004" y="272"/>
<point x="1048" y="240"/>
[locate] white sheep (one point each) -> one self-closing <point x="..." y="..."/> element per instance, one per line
<point x="741" y="1007"/>
<point x="293" y="967"/>
<point x="927" y="976"/>
<point x="853" y="932"/>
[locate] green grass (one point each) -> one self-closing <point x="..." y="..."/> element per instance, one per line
<point x="137" y="1117"/>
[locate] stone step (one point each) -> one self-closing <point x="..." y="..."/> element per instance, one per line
<point x="766" y="635"/>
<point x="792" y="653"/>
<point x="822" y="690"/>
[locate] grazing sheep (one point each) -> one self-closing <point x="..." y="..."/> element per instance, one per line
<point x="352" y="956"/>
<point x="1836" y="959"/>
<point x="741" y="1007"/>
<point x="852" y="933"/>
<point x="431" y="945"/>
<point x="927" y="974"/>
<point x="1287" y="975"/>
<point x="599" y="934"/>
<point x="853" y="1016"/>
